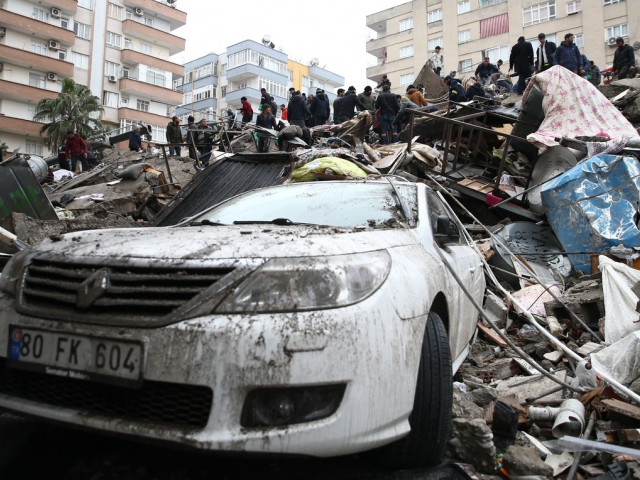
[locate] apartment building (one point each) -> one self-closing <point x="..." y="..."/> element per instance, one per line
<point x="213" y="83"/>
<point x="467" y="30"/>
<point x="120" y="49"/>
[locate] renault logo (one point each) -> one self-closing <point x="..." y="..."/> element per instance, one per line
<point x="93" y="288"/>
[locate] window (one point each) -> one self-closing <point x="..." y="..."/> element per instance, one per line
<point x="64" y="23"/>
<point x="406" y="51"/>
<point x="34" y="148"/>
<point x="114" y="40"/>
<point x="251" y="56"/>
<point x="156" y="76"/>
<point x="434" y="16"/>
<point x="275" y="89"/>
<point x="405" y="24"/>
<point x="37" y="47"/>
<point x="37" y="80"/>
<point x="541" y="12"/>
<point x="144" y="48"/>
<point x="142" y="105"/>
<point x="574" y="7"/>
<point x="41" y="15"/>
<point x="497" y="53"/>
<point x="406" y="79"/>
<point x="85" y="4"/>
<point x="125" y="72"/>
<point x="111" y="68"/>
<point x="31" y="111"/>
<point x="128" y="43"/>
<point x="204" y="93"/>
<point x="435" y="42"/>
<point x="578" y="39"/>
<point x="464" y="36"/>
<point x="464" y="7"/>
<point x="489" y="3"/>
<point x="80" y="60"/>
<point x="611" y="2"/>
<point x="616" y="31"/>
<point x="110" y="99"/>
<point x="124" y="100"/>
<point x="115" y="11"/>
<point x="465" y="65"/>
<point x="82" y="30"/>
<point x="62" y="54"/>
<point x="148" y="21"/>
<point x="223" y="91"/>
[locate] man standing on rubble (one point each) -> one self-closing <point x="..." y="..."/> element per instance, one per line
<point x="522" y="59"/>
<point x="336" y="105"/>
<point x="484" y="71"/>
<point x="174" y="135"/>
<point x="546" y="51"/>
<point x="320" y="108"/>
<point x="437" y="60"/>
<point x="389" y="108"/>
<point x="246" y="111"/>
<point x="568" y="55"/>
<point x="367" y="99"/>
<point x="76" y="151"/>
<point x="297" y="112"/>
<point x="265" y="120"/>
<point x="624" y="60"/>
<point x="348" y="104"/>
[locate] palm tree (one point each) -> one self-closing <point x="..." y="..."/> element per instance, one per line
<point x="75" y="109"/>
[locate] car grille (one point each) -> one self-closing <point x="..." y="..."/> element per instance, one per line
<point x="133" y="292"/>
<point x="155" y="402"/>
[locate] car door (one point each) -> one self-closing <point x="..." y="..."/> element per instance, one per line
<point x="467" y="265"/>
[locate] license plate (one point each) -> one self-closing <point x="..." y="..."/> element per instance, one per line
<point x="75" y="356"/>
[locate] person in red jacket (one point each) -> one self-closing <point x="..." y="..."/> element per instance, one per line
<point x="76" y="149"/>
<point x="246" y="110"/>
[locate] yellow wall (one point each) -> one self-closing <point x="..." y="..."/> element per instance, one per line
<point x="299" y="70"/>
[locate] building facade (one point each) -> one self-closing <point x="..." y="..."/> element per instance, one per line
<point x="468" y="30"/>
<point x="214" y="83"/>
<point x="119" y="49"/>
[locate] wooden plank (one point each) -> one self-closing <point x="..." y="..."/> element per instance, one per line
<point x="491" y="335"/>
<point x="623" y="408"/>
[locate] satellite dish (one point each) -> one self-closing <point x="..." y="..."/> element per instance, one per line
<point x="266" y="39"/>
<point x="171" y="2"/>
<point x="314" y="62"/>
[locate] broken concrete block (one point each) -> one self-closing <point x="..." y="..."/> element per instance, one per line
<point x="483" y="396"/>
<point x="496" y="309"/>
<point x="472" y="442"/>
<point x="586" y="300"/>
<point x="554" y="357"/>
<point x="520" y="460"/>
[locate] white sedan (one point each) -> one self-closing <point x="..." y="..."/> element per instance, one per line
<point x="313" y="318"/>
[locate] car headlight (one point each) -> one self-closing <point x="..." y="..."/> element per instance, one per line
<point x="309" y="283"/>
<point x="11" y="273"/>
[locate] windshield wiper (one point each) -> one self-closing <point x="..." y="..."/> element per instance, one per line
<point x="275" y="221"/>
<point x="403" y="204"/>
<point x="205" y="222"/>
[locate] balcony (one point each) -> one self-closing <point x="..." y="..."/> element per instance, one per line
<point x="131" y="57"/>
<point x="161" y="10"/>
<point x="139" y="30"/>
<point x="375" y="46"/>
<point x="25" y="93"/>
<point x="327" y="76"/>
<point x="65" y="6"/>
<point x="252" y="94"/>
<point x="145" y="118"/>
<point x="20" y="126"/>
<point x="148" y="90"/>
<point x="41" y="30"/>
<point x="42" y="63"/>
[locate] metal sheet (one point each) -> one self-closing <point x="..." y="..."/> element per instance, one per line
<point x="20" y="191"/>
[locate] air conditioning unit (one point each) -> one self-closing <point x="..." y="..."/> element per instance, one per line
<point x="52" y="76"/>
<point x="612" y="41"/>
<point x="112" y="78"/>
<point x="55" y="12"/>
<point x="138" y="11"/>
<point x="54" y="45"/>
<point x="3" y="32"/>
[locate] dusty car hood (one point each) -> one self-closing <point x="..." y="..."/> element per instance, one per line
<point x="240" y="241"/>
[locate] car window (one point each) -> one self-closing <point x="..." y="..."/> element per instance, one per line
<point x="437" y="208"/>
<point x="336" y="204"/>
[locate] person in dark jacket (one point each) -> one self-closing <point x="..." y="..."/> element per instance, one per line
<point x="367" y="99"/>
<point x="593" y="74"/>
<point x="320" y="108"/>
<point x="135" y="139"/>
<point x="297" y="112"/>
<point x="522" y="59"/>
<point x="624" y="60"/>
<point x="568" y="55"/>
<point x="484" y="71"/>
<point x="265" y="98"/>
<point x="336" y="105"/>
<point x="545" y="53"/>
<point x="174" y="135"/>
<point x="456" y="90"/>
<point x="389" y="108"/>
<point x="62" y="158"/>
<point x="265" y="120"/>
<point x="348" y="104"/>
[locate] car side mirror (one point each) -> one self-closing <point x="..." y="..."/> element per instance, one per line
<point x="446" y="230"/>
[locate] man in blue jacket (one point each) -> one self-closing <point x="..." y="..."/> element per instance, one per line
<point x="568" y="55"/>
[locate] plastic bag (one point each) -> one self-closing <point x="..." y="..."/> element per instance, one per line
<point x="619" y="300"/>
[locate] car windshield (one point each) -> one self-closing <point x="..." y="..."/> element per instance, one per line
<point x="334" y="204"/>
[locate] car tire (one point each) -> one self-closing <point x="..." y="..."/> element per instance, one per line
<point x="430" y="419"/>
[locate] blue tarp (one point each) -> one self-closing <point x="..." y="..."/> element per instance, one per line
<point x="594" y="206"/>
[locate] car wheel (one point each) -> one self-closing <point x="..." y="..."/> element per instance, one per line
<point x="430" y="419"/>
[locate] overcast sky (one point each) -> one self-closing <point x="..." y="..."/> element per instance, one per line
<point x="333" y="31"/>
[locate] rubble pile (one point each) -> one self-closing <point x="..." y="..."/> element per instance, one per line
<point x="547" y="188"/>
